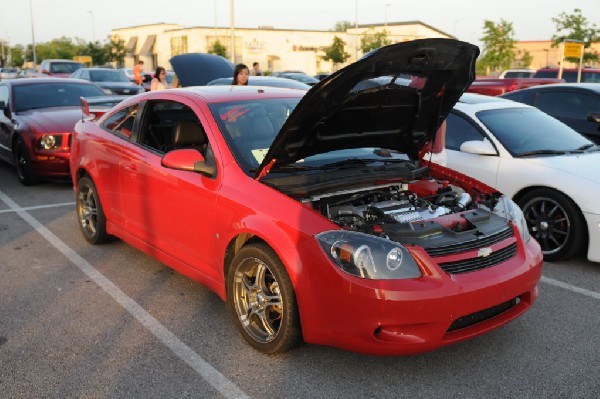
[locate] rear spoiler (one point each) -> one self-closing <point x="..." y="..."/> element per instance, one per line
<point x="94" y="107"/>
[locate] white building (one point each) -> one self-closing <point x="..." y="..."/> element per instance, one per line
<point x="274" y="49"/>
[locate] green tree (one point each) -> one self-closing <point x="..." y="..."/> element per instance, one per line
<point x="342" y="26"/>
<point x="576" y="27"/>
<point x="16" y="55"/>
<point x="218" y="48"/>
<point x="116" y="50"/>
<point x="335" y="53"/>
<point x="100" y="53"/>
<point x="498" y="47"/>
<point x="526" y="59"/>
<point x="372" y="40"/>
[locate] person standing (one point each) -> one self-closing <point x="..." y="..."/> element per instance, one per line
<point x="159" y="82"/>
<point x="137" y="72"/>
<point x="240" y="75"/>
<point x="256" y="70"/>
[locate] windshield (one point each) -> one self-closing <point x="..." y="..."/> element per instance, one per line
<point x="33" y="96"/>
<point x="250" y="126"/>
<point x="107" y="75"/>
<point x="64" y="67"/>
<point x="525" y="130"/>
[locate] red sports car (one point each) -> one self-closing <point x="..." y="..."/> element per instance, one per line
<point x="311" y="213"/>
<point x="36" y="120"/>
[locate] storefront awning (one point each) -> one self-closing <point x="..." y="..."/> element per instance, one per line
<point x="130" y="46"/>
<point x="148" y="47"/>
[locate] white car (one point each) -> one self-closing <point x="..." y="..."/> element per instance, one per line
<point x="550" y="170"/>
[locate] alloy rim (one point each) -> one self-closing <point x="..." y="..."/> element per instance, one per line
<point x="548" y="223"/>
<point x="88" y="210"/>
<point x="257" y="300"/>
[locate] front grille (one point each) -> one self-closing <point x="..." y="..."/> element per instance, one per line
<point x="472" y="264"/>
<point x="472" y="244"/>
<point x="482" y="315"/>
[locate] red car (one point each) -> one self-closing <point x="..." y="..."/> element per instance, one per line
<point x="311" y="213"/>
<point x="36" y="120"/>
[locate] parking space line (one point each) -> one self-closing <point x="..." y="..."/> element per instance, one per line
<point x="164" y="335"/>
<point x="32" y="208"/>
<point x="573" y="288"/>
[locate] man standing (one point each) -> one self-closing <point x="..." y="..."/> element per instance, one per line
<point x="255" y="70"/>
<point x="137" y="72"/>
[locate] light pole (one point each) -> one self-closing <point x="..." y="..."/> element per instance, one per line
<point x="356" y="30"/>
<point x="32" y="36"/>
<point x="386" y="15"/>
<point x="232" y="28"/>
<point x="546" y="50"/>
<point x="93" y="27"/>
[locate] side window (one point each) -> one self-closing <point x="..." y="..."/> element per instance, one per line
<point x="169" y="125"/>
<point x="121" y="122"/>
<point x="459" y="130"/>
<point x="568" y="104"/>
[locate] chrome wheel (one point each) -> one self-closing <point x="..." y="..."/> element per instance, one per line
<point x="261" y="297"/>
<point x="92" y="221"/>
<point x="257" y="300"/>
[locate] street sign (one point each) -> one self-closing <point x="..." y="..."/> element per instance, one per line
<point x="573" y="49"/>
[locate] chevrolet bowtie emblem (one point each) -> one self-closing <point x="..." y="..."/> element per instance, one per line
<point x="483" y="252"/>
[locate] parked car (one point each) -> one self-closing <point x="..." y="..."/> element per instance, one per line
<point x="8" y="73"/>
<point x="496" y="86"/>
<point x="59" y="68"/>
<point x="546" y="167"/>
<point x="36" y="120"/>
<point x="112" y="81"/>
<point x="575" y="104"/>
<point x="288" y="203"/>
<point x="265" y="81"/>
<point x="30" y="73"/>
<point x="588" y="75"/>
<point x="129" y="73"/>
<point x="300" y="77"/>
<point x="517" y="73"/>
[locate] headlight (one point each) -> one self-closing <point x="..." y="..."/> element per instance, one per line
<point x="107" y="91"/>
<point x="47" y="142"/>
<point x="368" y="256"/>
<point x="508" y="209"/>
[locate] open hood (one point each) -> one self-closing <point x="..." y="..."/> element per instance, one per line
<point x="395" y="97"/>
<point x="197" y="69"/>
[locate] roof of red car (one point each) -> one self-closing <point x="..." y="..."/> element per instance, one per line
<point x="233" y="93"/>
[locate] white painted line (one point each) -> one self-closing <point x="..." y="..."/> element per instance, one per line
<point x="164" y="335"/>
<point x="573" y="288"/>
<point x="32" y="208"/>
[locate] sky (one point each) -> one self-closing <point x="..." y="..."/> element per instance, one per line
<point x="464" y="19"/>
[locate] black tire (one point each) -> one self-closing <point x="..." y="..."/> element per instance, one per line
<point x="90" y="215"/>
<point x="264" y="308"/>
<point x="25" y="172"/>
<point x="555" y="222"/>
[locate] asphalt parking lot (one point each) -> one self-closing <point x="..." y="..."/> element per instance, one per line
<point x="108" y="321"/>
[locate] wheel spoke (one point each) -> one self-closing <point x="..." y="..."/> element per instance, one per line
<point x="259" y="280"/>
<point x="268" y="328"/>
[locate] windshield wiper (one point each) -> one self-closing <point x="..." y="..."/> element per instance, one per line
<point x="589" y="146"/>
<point x="357" y="161"/>
<point x="540" y="152"/>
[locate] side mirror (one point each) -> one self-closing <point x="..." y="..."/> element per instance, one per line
<point x="45" y="71"/>
<point x="189" y="160"/>
<point x="594" y="117"/>
<point x="479" y="147"/>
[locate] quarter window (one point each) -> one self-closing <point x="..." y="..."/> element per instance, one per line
<point x="121" y="122"/>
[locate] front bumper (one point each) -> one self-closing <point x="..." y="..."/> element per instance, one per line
<point x="399" y="317"/>
<point x="51" y="164"/>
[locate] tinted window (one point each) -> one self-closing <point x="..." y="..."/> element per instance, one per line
<point x="524" y="130"/>
<point x="64" y="67"/>
<point x="518" y="74"/>
<point x="121" y="122"/>
<point x="106" y="75"/>
<point x="31" y="96"/>
<point x="522" y="96"/>
<point x="568" y="104"/>
<point x="546" y="74"/>
<point x="459" y="130"/>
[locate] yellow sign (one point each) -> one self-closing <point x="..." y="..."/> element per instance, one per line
<point x="86" y="59"/>
<point x="573" y="49"/>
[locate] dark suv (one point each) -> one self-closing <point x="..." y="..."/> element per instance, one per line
<point x="588" y="75"/>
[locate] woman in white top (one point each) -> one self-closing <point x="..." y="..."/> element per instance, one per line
<point x="160" y="80"/>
